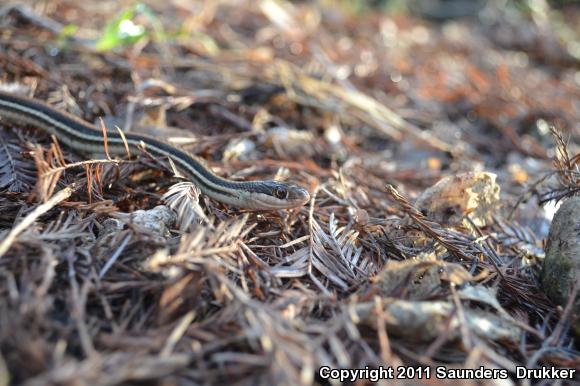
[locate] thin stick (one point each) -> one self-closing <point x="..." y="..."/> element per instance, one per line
<point x="32" y="216"/>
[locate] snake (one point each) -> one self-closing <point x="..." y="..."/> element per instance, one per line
<point x="82" y="137"/>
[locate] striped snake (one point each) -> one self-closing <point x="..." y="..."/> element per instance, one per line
<point x="85" y="138"/>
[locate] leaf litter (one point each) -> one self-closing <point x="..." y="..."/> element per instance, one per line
<point x="114" y="272"/>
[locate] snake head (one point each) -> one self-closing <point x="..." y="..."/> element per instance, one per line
<point x="279" y="195"/>
<point x="292" y="194"/>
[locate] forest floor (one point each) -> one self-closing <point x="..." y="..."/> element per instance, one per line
<point x="435" y="151"/>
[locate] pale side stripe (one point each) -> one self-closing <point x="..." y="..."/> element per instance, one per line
<point x="97" y="140"/>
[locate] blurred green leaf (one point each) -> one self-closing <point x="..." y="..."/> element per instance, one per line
<point x="68" y="31"/>
<point x="122" y="30"/>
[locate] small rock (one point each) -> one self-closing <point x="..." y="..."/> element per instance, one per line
<point x="158" y="220"/>
<point x="111" y="225"/>
<point x="148" y="231"/>
<point x="239" y="149"/>
<point x="562" y="263"/>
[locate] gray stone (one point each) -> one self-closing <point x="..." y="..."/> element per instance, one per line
<point x="562" y="263"/>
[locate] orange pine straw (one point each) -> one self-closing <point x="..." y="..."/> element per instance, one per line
<point x="57" y="151"/>
<point x="105" y="142"/>
<point x="88" y="169"/>
<point x="98" y="173"/>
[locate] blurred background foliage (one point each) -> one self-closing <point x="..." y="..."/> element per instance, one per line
<point x="138" y="20"/>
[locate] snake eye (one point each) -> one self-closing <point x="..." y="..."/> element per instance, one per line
<point x="280" y="192"/>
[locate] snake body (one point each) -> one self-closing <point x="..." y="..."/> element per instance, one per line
<point x="83" y="137"/>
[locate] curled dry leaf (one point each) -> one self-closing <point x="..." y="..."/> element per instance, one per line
<point x="474" y="194"/>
